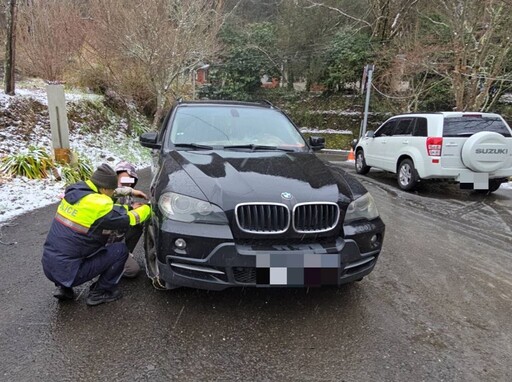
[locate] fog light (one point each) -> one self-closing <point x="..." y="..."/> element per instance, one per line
<point x="180" y="243"/>
<point x="374" y="241"/>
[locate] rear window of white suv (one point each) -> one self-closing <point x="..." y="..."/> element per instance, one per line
<point x="469" y="125"/>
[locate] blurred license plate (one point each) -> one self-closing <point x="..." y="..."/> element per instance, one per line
<point x="297" y="269"/>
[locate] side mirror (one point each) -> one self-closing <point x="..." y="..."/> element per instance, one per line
<point x="370" y="134"/>
<point x="317" y="143"/>
<point x="150" y="140"/>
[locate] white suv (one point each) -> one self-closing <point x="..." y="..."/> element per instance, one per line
<point x="474" y="149"/>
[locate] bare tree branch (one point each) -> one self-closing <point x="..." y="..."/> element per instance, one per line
<point x="340" y="11"/>
<point x="153" y="42"/>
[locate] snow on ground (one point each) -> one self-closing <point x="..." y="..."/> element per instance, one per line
<point x="37" y="91"/>
<point x="19" y="195"/>
<point x="22" y="195"/>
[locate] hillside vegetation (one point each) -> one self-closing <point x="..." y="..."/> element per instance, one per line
<point x="427" y="56"/>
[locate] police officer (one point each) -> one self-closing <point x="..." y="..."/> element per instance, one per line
<point x="75" y="249"/>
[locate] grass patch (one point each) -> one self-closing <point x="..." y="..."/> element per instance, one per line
<point x="79" y="169"/>
<point x="35" y="163"/>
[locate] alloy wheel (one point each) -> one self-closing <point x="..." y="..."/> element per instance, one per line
<point x="359" y="161"/>
<point x="405" y="174"/>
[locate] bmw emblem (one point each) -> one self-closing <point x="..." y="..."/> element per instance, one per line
<point x="286" y="195"/>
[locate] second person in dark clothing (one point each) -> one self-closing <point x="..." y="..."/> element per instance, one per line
<point x="125" y="194"/>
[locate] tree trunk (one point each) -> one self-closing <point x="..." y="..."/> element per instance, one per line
<point x="291" y="80"/>
<point x="159" y="113"/>
<point x="10" y="49"/>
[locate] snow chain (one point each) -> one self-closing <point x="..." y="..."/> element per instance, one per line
<point x="157" y="283"/>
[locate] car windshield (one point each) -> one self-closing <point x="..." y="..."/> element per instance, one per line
<point x="233" y="127"/>
<point x="469" y="125"/>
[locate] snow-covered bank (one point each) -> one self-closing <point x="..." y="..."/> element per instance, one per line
<point x="19" y="195"/>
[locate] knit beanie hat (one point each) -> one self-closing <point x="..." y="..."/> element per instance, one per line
<point x="105" y="177"/>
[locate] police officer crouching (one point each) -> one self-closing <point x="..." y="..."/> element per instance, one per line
<point x="76" y="250"/>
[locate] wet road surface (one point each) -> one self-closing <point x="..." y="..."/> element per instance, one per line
<point x="437" y="307"/>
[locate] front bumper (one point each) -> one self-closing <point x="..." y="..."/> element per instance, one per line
<point x="232" y="264"/>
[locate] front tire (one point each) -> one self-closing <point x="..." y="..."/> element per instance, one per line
<point x="361" y="167"/>
<point x="407" y="176"/>
<point x="150" y="257"/>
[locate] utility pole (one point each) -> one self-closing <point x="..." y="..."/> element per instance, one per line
<point x="10" y="49"/>
<point x="194" y="74"/>
<point x="368" y="77"/>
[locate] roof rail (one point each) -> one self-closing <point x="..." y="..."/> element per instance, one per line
<point x="266" y="102"/>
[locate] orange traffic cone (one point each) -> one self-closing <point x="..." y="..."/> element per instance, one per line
<point x="351" y="155"/>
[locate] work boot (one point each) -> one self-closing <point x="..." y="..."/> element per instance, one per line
<point x="63" y="293"/>
<point x="99" y="296"/>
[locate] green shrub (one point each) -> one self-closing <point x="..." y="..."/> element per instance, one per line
<point x="138" y="123"/>
<point x="439" y="97"/>
<point x="35" y="163"/>
<point x="80" y="169"/>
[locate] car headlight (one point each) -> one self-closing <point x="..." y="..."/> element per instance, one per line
<point x="362" y="208"/>
<point x="190" y="210"/>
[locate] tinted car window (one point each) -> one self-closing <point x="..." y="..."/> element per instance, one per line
<point x="404" y="126"/>
<point x="386" y="130"/>
<point x="233" y="125"/>
<point x="467" y="126"/>
<point x="420" y="129"/>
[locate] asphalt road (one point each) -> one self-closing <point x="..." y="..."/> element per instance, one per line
<point x="437" y="307"/>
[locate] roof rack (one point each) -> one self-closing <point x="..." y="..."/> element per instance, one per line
<point x="266" y="102"/>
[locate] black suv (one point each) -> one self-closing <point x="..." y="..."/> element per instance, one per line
<point x="240" y="199"/>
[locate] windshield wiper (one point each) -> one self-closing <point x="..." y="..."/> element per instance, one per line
<point x="258" y="147"/>
<point x="193" y="146"/>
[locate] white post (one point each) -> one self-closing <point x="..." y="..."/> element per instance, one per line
<point x="58" y="122"/>
<point x="369" y="72"/>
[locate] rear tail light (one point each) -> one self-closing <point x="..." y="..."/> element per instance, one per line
<point x="434" y="146"/>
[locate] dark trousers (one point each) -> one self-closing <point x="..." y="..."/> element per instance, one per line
<point x="132" y="237"/>
<point x="108" y="263"/>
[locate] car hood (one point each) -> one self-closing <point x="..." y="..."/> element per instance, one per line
<point x="226" y="178"/>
